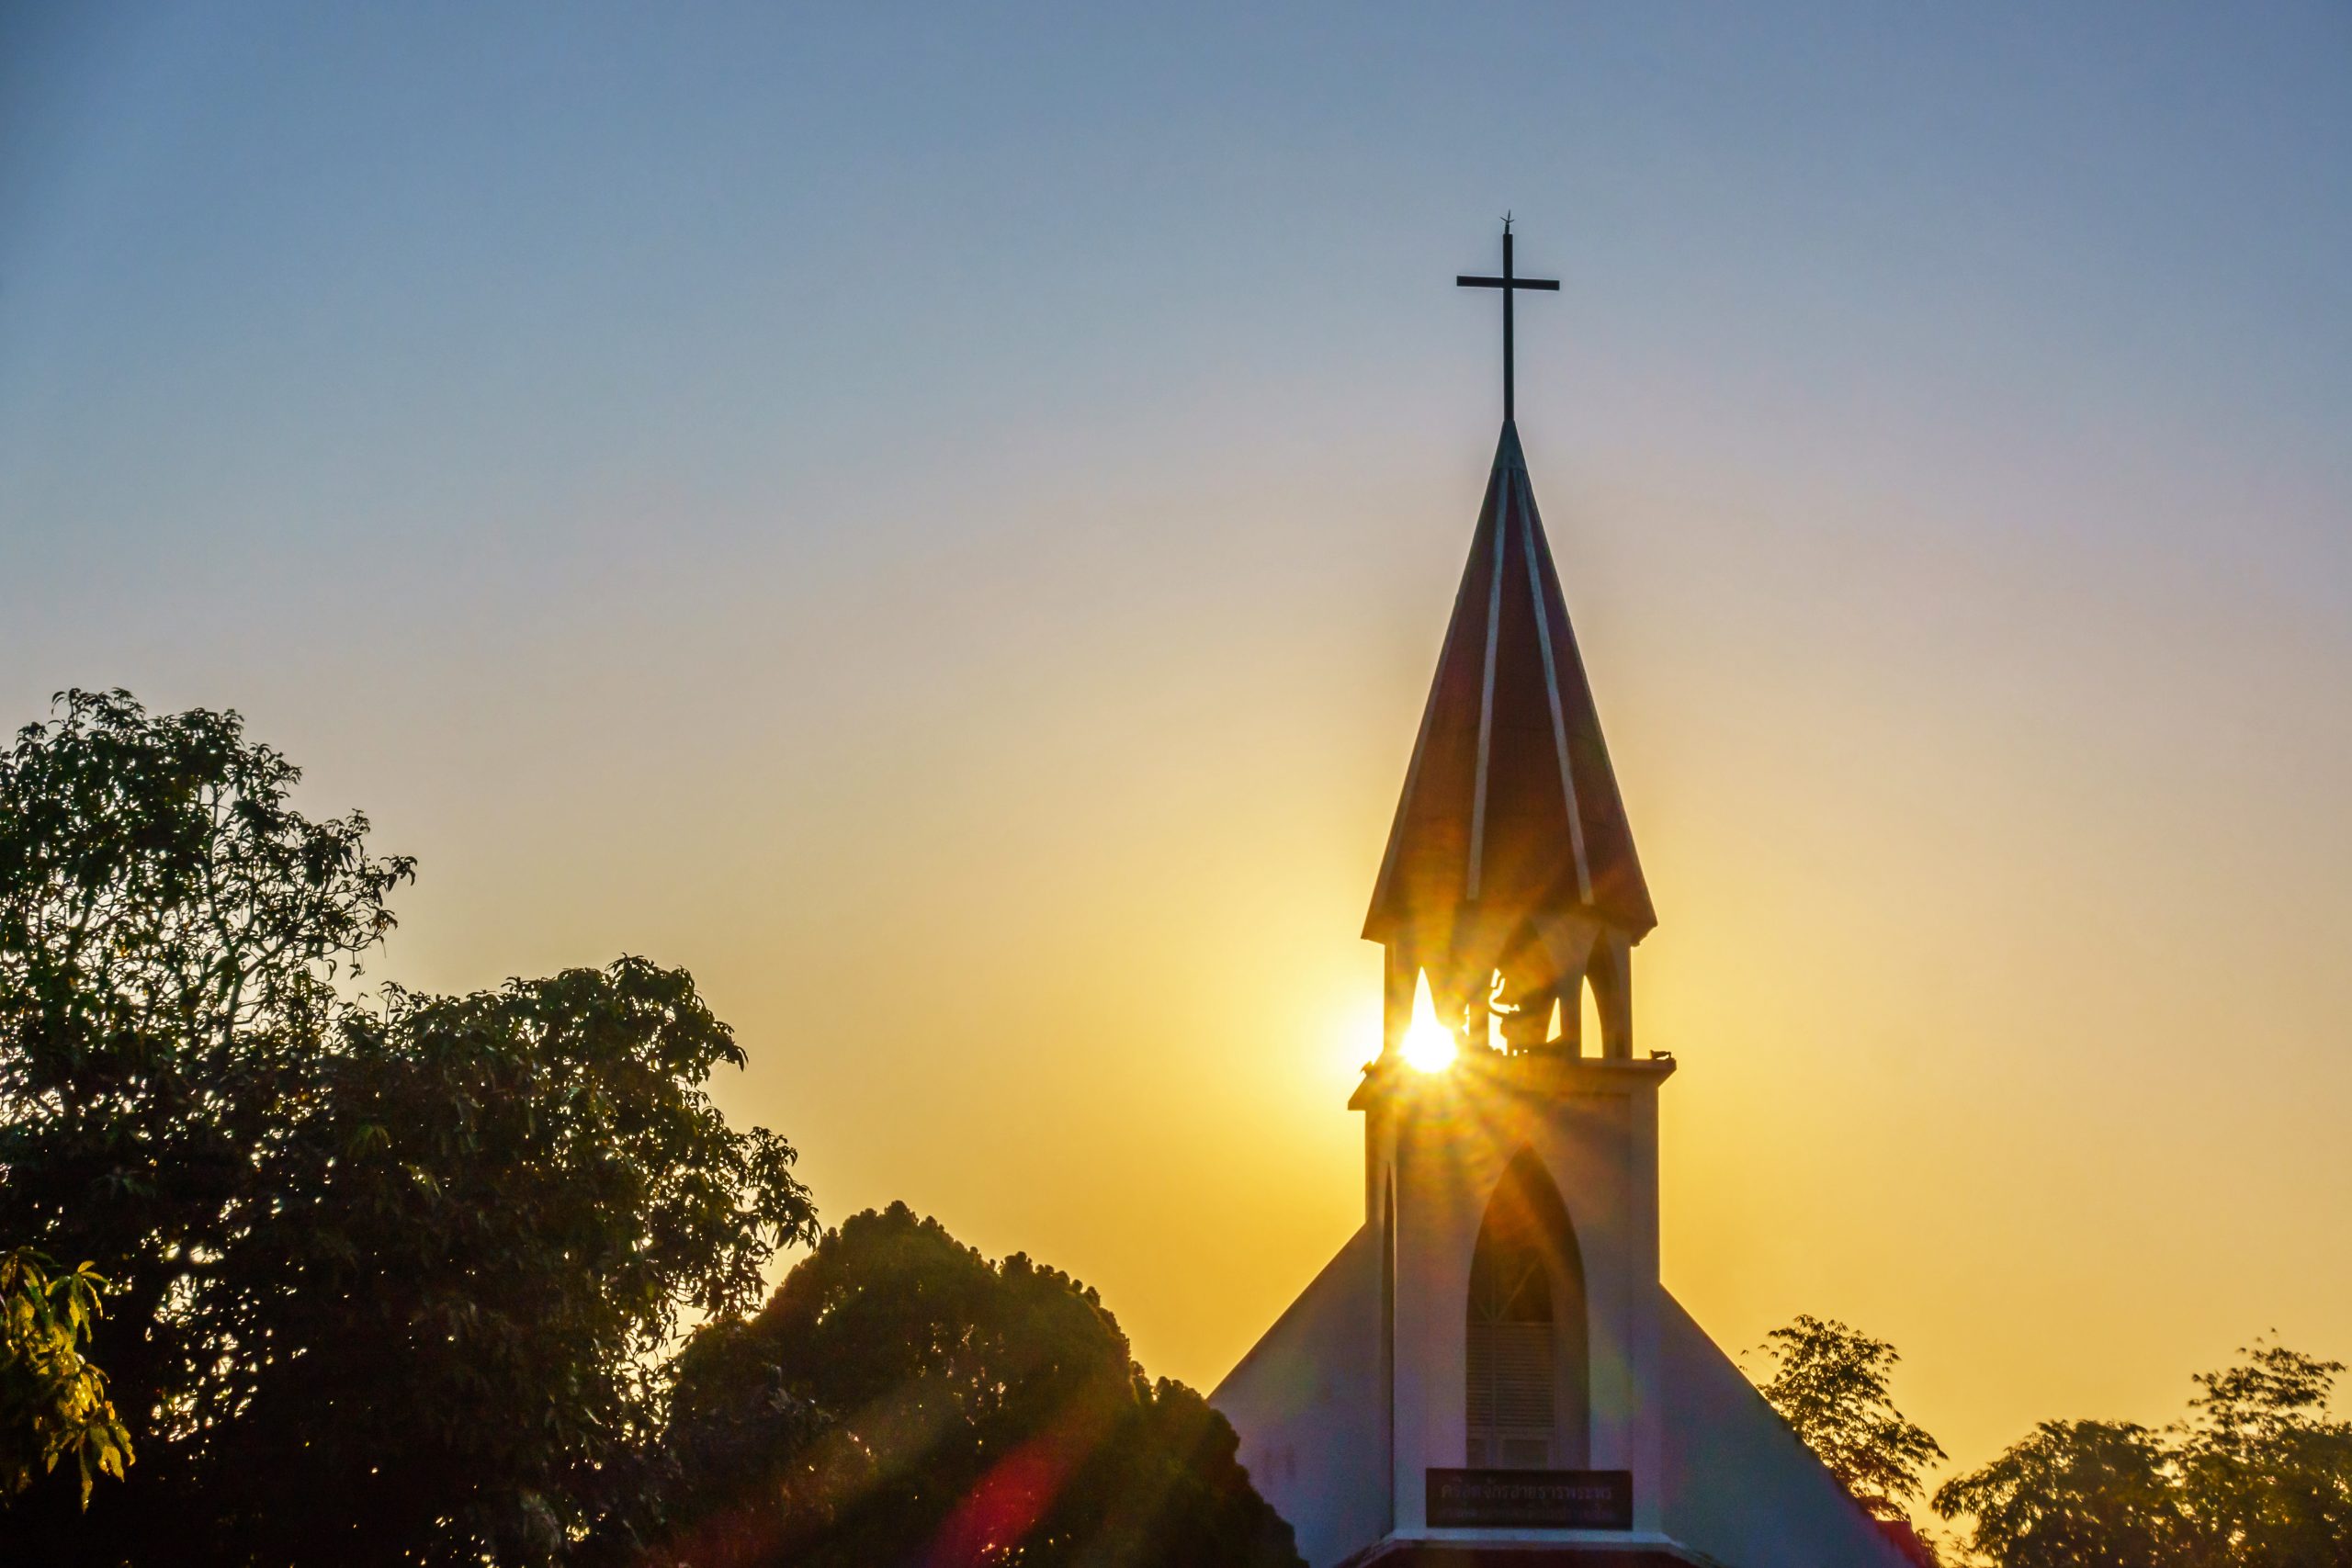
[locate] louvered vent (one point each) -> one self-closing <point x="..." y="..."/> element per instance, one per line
<point x="1510" y="1404"/>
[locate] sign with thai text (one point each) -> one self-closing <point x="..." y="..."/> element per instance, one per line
<point x="1531" y="1499"/>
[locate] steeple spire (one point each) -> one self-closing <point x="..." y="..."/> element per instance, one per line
<point x="1511" y="856"/>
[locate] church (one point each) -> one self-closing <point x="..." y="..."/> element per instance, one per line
<point x="1489" y="1370"/>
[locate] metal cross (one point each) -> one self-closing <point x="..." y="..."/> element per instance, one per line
<point x="1509" y="285"/>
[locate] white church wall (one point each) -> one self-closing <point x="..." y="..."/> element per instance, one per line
<point x="1309" y="1404"/>
<point x="1739" y="1485"/>
<point x="1597" y="1144"/>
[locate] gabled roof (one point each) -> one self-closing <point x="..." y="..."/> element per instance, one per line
<point x="1510" y="809"/>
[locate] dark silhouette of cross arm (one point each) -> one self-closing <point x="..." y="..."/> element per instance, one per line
<point x="1510" y="284"/>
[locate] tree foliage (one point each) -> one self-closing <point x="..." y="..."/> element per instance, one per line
<point x="391" y="1273"/>
<point x="52" y="1399"/>
<point x="2094" y="1494"/>
<point x="2266" y="1474"/>
<point x="903" y="1399"/>
<point x="1829" y="1382"/>
<point x="2259" y="1476"/>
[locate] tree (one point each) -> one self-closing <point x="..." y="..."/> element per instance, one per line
<point x="2258" y="1477"/>
<point x="52" y="1400"/>
<point x="2074" y="1495"/>
<point x="392" y="1273"/>
<point x="2264" y="1474"/>
<point x="901" y="1399"/>
<point x="1829" y="1382"/>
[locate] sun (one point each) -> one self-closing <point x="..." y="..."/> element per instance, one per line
<point x="1429" y="1046"/>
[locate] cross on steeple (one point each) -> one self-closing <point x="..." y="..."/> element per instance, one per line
<point x="1509" y="285"/>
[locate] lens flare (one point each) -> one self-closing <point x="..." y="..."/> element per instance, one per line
<point x="1429" y="1046"/>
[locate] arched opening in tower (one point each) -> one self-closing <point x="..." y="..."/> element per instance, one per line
<point x="1528" y="1364"/>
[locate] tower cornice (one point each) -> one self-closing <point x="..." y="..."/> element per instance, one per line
<point x="1545" y="1074"/>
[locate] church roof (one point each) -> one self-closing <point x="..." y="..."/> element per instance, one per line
<point x="1511" y="808"/>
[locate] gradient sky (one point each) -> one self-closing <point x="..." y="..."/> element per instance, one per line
<point x="940" y="520"/>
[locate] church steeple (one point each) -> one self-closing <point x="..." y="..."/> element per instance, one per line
<point x="1510" y="877"/>
<point x="1490" y="1371"/>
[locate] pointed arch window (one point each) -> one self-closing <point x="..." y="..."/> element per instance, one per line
<point x="1525" y="1361"/>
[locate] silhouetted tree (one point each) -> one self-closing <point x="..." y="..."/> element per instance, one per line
<point x="902" y="1399"/>
<point x="2266" y="1475"/>
<point x="2074" y="1495"/>
<point x="1829" y="1382"/>
<point x="391" y="1275"/>
<point x="2257" y="1477"/>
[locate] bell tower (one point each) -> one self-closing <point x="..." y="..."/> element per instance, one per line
<point x="1514" y="1187"/>
<point x="1510" y="880"/>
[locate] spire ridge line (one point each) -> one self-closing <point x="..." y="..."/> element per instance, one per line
<point x="1551" y="692"/>
<point x="1486" y="687"/>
